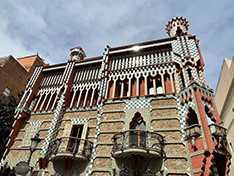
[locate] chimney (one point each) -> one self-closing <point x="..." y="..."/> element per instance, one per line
<point x="77" y="53"/>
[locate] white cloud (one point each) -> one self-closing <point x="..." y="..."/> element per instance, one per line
<point x="56" y="26"/>
<point x="9" y="46"/>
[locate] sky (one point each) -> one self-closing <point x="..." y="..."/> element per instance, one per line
<point x="51" y="28"/>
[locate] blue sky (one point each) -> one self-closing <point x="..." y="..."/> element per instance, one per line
<point x="53" y="27"/>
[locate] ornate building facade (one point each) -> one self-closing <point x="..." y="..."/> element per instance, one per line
<point x="224" y="101"/>
<point x="141" y="109"/>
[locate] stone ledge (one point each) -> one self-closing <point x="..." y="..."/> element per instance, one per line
<point x="114" y="120"/>
<point x="165" y="117"/>
<point x="115" y="110"/>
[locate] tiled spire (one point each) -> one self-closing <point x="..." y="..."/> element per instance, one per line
<point x="177" y="26"/>
<point x="77" y="53"/>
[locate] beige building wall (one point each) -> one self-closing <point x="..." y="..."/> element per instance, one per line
<point x="225" y="78"/>
<point x="224" y="99"/>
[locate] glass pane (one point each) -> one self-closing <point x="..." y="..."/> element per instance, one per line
<point x="142" y="126"/>
<point x="159" y="90"/>
<point x="151" y="91"/>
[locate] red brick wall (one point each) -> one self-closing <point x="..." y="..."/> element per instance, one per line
<point x="14" y="76"/>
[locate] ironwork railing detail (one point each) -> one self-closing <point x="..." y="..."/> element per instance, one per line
<point x="217" y="130"/>
<point x="192" y="131"/>
<point x="72" y="146"/>
<point x="149" y="172"/>
<point x="138" y="139"/>
<point x="124" y="171"/>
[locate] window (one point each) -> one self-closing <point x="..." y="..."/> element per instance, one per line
<point x="7" y="92"/>
<point x="151" y="91"/>
<point x="159" y="88"/>
<point x="150" y="85"/>
<point x="190" y="74"/>
<point x="74" y="142"/>
<point x="137" y="138"/>
<point x="73" y="139"/>
<point x="137" y="123"/>
<point x="118" y="89"/>
<point x="77" y="131"/>
<point x="125" y="88"/>
<point x="191" y="117"/>
<point x="209" y="116"/>
<point x="182" y="80"/>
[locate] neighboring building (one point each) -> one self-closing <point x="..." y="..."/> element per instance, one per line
<point x="139" y="109"/>
<point x="224" y="99"/>
<point x="15" y="73"/>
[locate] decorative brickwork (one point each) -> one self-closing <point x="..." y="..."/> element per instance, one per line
<point x="163" y="102"/>
<point x="133" y="112"/>
<point x="167" y="123"/>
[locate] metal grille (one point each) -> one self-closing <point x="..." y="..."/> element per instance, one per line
<point x="138" y="139"/>
<point x="72" y="146"/>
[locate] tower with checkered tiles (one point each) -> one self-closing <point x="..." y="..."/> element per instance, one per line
<point x="141" y="109"/>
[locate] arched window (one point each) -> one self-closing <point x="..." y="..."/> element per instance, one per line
<point x="137" y="137"/>
<point x="151" y="91"/>
<point x="125" y="91"/>
<point x="182" y="80"/>
<point x="150" y="85"/>
<point x="118" y="88"/>
<point x="190" y="74"/>
<point x="159" y="88"/>
<point x="167" y="83"/>
<point x="110" y="91"/>
<point x="137" y="122"/>
<point x="209" y="115"/>
<point x="191" y="117"/>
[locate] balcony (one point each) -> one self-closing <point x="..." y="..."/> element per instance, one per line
<point x="71" y="155"/>
<point x="192" y="131"/>
<point x="217" y="130"/>
<point x="137" y="142"/>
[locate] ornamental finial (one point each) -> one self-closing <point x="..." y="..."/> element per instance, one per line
<point x="77" y="53"/>
<point x="178" y="26"/>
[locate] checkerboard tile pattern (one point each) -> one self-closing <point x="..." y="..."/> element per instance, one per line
<point x="177" y="82"/>
<point x="183" y="110"/>
<point x="101" y="89"/>
<point x="185" y="77"/>
<point x="45" y="146"/>
<point x="193" y="49"/>
<point x="74" y="121"/>
<point x="176" y="48"/>
<point x="204" y="103"/>
<point x="195" y="76"/>
<point x="181" y="115"/>
<point x="35" y="123"/>
<point x="138" y="103"/>
<point x="202" y="79"/>
<point x="88" y="173"/>
<point x="53" y="127"/>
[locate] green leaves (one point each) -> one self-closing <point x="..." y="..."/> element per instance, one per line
<point x="7" y="109"/>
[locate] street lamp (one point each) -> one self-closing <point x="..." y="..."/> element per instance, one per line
<point x="22" y="167"/>
<point x="34" y="142"/>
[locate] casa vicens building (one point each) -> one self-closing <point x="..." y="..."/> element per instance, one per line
<point x="141" y="109"/>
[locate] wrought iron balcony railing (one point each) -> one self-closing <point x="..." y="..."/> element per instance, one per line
<point x="192" y="131"/>
<point x="71" y="146"/>
<point x="138" y="139"/>
<point x="217" y="130"/>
